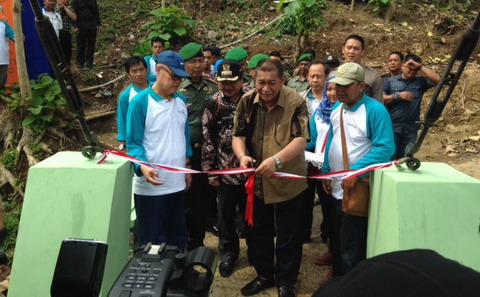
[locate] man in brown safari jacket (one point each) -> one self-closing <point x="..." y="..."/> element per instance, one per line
<point x="270" y="134"/>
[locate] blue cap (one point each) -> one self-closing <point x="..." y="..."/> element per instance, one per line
<point x="174" y="61"/>
<point x="217" y="65"/>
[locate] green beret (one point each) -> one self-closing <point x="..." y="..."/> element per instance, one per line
<point x="237" y="54"/>
<point x="191" y="50"/>
<point x="303" y="57"/>
<point x="257" y="59"/>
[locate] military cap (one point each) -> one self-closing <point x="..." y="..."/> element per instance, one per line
<point x="191" y="50"/>
<point x="304" y="57"/>
<point x="257" y="59"/>
<point x="331" y="59"/>
<point x="229" y="70"/>
<point x="237" y="54"/>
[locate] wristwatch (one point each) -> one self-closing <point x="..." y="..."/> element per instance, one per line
<point x="121" y="146"/>
<point x="278" y="162"/>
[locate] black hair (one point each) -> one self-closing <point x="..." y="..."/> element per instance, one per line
<point x="270" y="65"/>
<point x="134" y="61"/>
<point x="356" y="37"/>
<point x="311" y="52"/>
<point x="326" y="68"/>
<point x="276" y="54"/>
<point x="207" y="49"/>
<point x="413" y="57"/>
<point x="157" y="39"/>
<point x="216" y="51"/>
<point x="398" y="54"/>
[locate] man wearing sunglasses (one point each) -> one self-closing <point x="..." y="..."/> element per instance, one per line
<point x="158" y="132"/>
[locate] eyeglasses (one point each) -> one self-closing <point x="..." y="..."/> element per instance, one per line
<point x="172" y="75"/>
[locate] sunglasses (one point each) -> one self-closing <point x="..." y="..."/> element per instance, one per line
<point x="172" y="75"/>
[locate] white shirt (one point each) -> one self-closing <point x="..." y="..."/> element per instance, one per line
<point x="312" y="102"/>
<point x="55" y="19"/>
<point x="156" y="127"/>
<point x="4" y="46"/>
<point x="358" y="144"/>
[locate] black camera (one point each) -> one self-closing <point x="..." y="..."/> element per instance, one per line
<point x="154" y="271"/>
<point x="162" y="270"/>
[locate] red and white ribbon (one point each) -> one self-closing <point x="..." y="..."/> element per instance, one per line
<point x="250" y="184"/>
<point x="339" y="175"/>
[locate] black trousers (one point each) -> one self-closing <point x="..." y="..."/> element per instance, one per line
<point x="212" y="209"/>
<point x="86" y="40"/>
<point x="349" y="239"/>
<point x="197" y="202"/>
<point x="229" y="197"/>
<point x="325" y="203"/>
<point x="353" y="240"/>
<point x="284" y="221"/>
<point x="3" y="76"/>
<point x="65" y="38"/>
<point x="338" y="266"/>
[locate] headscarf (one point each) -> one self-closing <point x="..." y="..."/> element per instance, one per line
<point x="324" y="109"/>
<point x="217" y="65"/>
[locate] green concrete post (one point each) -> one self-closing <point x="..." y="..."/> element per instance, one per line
<point x="435" y="207"/>
<point x="68" y="196"/>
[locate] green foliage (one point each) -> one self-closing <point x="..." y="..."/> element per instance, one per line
<point x="89" y="78"/>
<point x="39" y="109"/>
<point x="11" y="96"/>
<point x="11" y="211"/>
<point x="379" y="4"/>
<point x="8" y="159"/>
<point x="37" y="150"/>
<point x="462" y="4"/>
<point x="171" y="24"/>
<point x="118" y="19"/>
<point x="46" y="97"/>
<point x="302" y="17"/>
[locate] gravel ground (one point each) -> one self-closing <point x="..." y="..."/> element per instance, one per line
<point x="309" y="278"/>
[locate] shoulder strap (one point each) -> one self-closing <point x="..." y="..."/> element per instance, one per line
<point x="344" y="141"/>
<point x="250" y="118"/>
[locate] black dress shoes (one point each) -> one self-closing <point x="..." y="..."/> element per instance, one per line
<point x="242" y="234"/>
<point x="225" y="269"/>
<point x="257" y="285"/>
<point x="285" y="291"/>
<point x="213" y="229"/>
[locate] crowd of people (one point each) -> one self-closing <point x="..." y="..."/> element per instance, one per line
<point x="198" y="109"/>
<point x="83" y="18"/>
<point x="201" y="110"/>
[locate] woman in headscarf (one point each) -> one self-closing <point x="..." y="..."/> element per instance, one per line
<point x="319" y="129"/>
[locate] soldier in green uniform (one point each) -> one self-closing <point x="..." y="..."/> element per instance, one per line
<point x="197" y="91"/>
<point x="240" y="55"/>
<point x="252" y="64"/>
<point x="299" y="83"/>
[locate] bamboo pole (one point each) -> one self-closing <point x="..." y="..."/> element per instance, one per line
<point x="25" y="88"/>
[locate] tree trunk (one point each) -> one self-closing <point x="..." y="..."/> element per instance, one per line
<point x="391" y="10"/>
<point x="25" y="89"/>
<point x="352" y="4"/>
<point x="163" y="3"/>
<point x="298" y="46"/>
